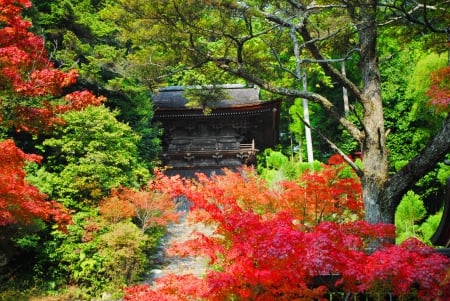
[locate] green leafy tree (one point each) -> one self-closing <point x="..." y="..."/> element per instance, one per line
<point x="88" y="156"/>
<point x="79" y="36"/>
<point x="252" y="40"/>
<point x="411" y="219"/>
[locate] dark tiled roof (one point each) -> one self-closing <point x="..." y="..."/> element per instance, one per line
<point x="172" y="97"/>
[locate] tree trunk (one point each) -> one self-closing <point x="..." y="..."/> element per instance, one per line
<point x="375" y="158"/>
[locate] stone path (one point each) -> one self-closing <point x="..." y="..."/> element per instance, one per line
<point x="179" y="265"/>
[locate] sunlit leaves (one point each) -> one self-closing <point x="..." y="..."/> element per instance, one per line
<point x="91" y="154"/>
<point x="410" y="211"/>
<point x="94" y="254"/>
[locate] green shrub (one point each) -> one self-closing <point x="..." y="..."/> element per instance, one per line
<point x="409" y="219"/>
<point x="409" y="212"/>
<point x="123" y="253"/>
<point x="94" y="255"/>
<point x="91" y="154"/>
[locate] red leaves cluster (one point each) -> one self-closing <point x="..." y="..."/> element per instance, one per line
<point x="80" y="99"/>
<point x="262" y="254"/>
<point x="25" y="71"/>
<point x="439" y="91"/>
<point x="323" y="195"/>
<point x="24" y="64"/>
<point x="169" y="289"/>
<point x="314" y="197"/>
<point x="401" y="268"/>
<point x="19" y="201"/>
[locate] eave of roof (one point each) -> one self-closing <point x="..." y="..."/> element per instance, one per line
<point x="263" y="107"/>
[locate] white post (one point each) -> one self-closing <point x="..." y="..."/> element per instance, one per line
<point x="301" y="75"/>
<point x="344" y="91"/>
<point x="309" y="147"/>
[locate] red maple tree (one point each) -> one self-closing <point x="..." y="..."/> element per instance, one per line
<point x="21" y="202"/>
<point x="30" y="89"/>
<point x="260" y="251"/>
<point x="28" y="79"/>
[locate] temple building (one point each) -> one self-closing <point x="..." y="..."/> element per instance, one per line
<point x="228" y="135"/>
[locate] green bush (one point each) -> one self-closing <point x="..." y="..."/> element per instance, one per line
<point x="94" y="255"/>
<point x="410" y="211"/>
<point x="274" y="166"/>
<point x="410" y="216"/>
<point x="123" y="252"/>
<point x="89" y="155"/>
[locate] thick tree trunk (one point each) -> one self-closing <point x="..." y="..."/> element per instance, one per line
<point x="375" y="157"/>
<point x="382" y="193"/>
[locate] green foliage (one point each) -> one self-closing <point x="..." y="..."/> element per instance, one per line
<point x="79" y="36"/>
<point x="94" y="255"/>
<point x="411" y="121"/>
<point x="14" y="295"/>
<point x="89" y="155"/>
<point x="29" y="241"/>
<point x="429" y="227"/>
<point x="123" y="253"/>
<point x="275" y="159"/>
<point x="274" y="166"/>
<point x="420" y="79"/>
<point x="409" y="219"/>
<point x="408" y="117"/>
<point x="443" y="173"/>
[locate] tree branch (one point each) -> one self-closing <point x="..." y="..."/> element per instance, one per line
<point x="326" y="104"/>
<point x="401" y="12"/>
<point x="426" y="160"/>
<point x="309" y="43"/>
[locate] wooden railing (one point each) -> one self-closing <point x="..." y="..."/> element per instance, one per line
<point x="245" y="146"/>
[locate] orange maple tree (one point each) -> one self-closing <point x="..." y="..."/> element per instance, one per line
<point x="31" y="97"/>
<point x="314" y="197"/>
<point x="152" y="205"/>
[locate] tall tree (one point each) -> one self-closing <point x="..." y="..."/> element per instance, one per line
<point x="251" y="40"/>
